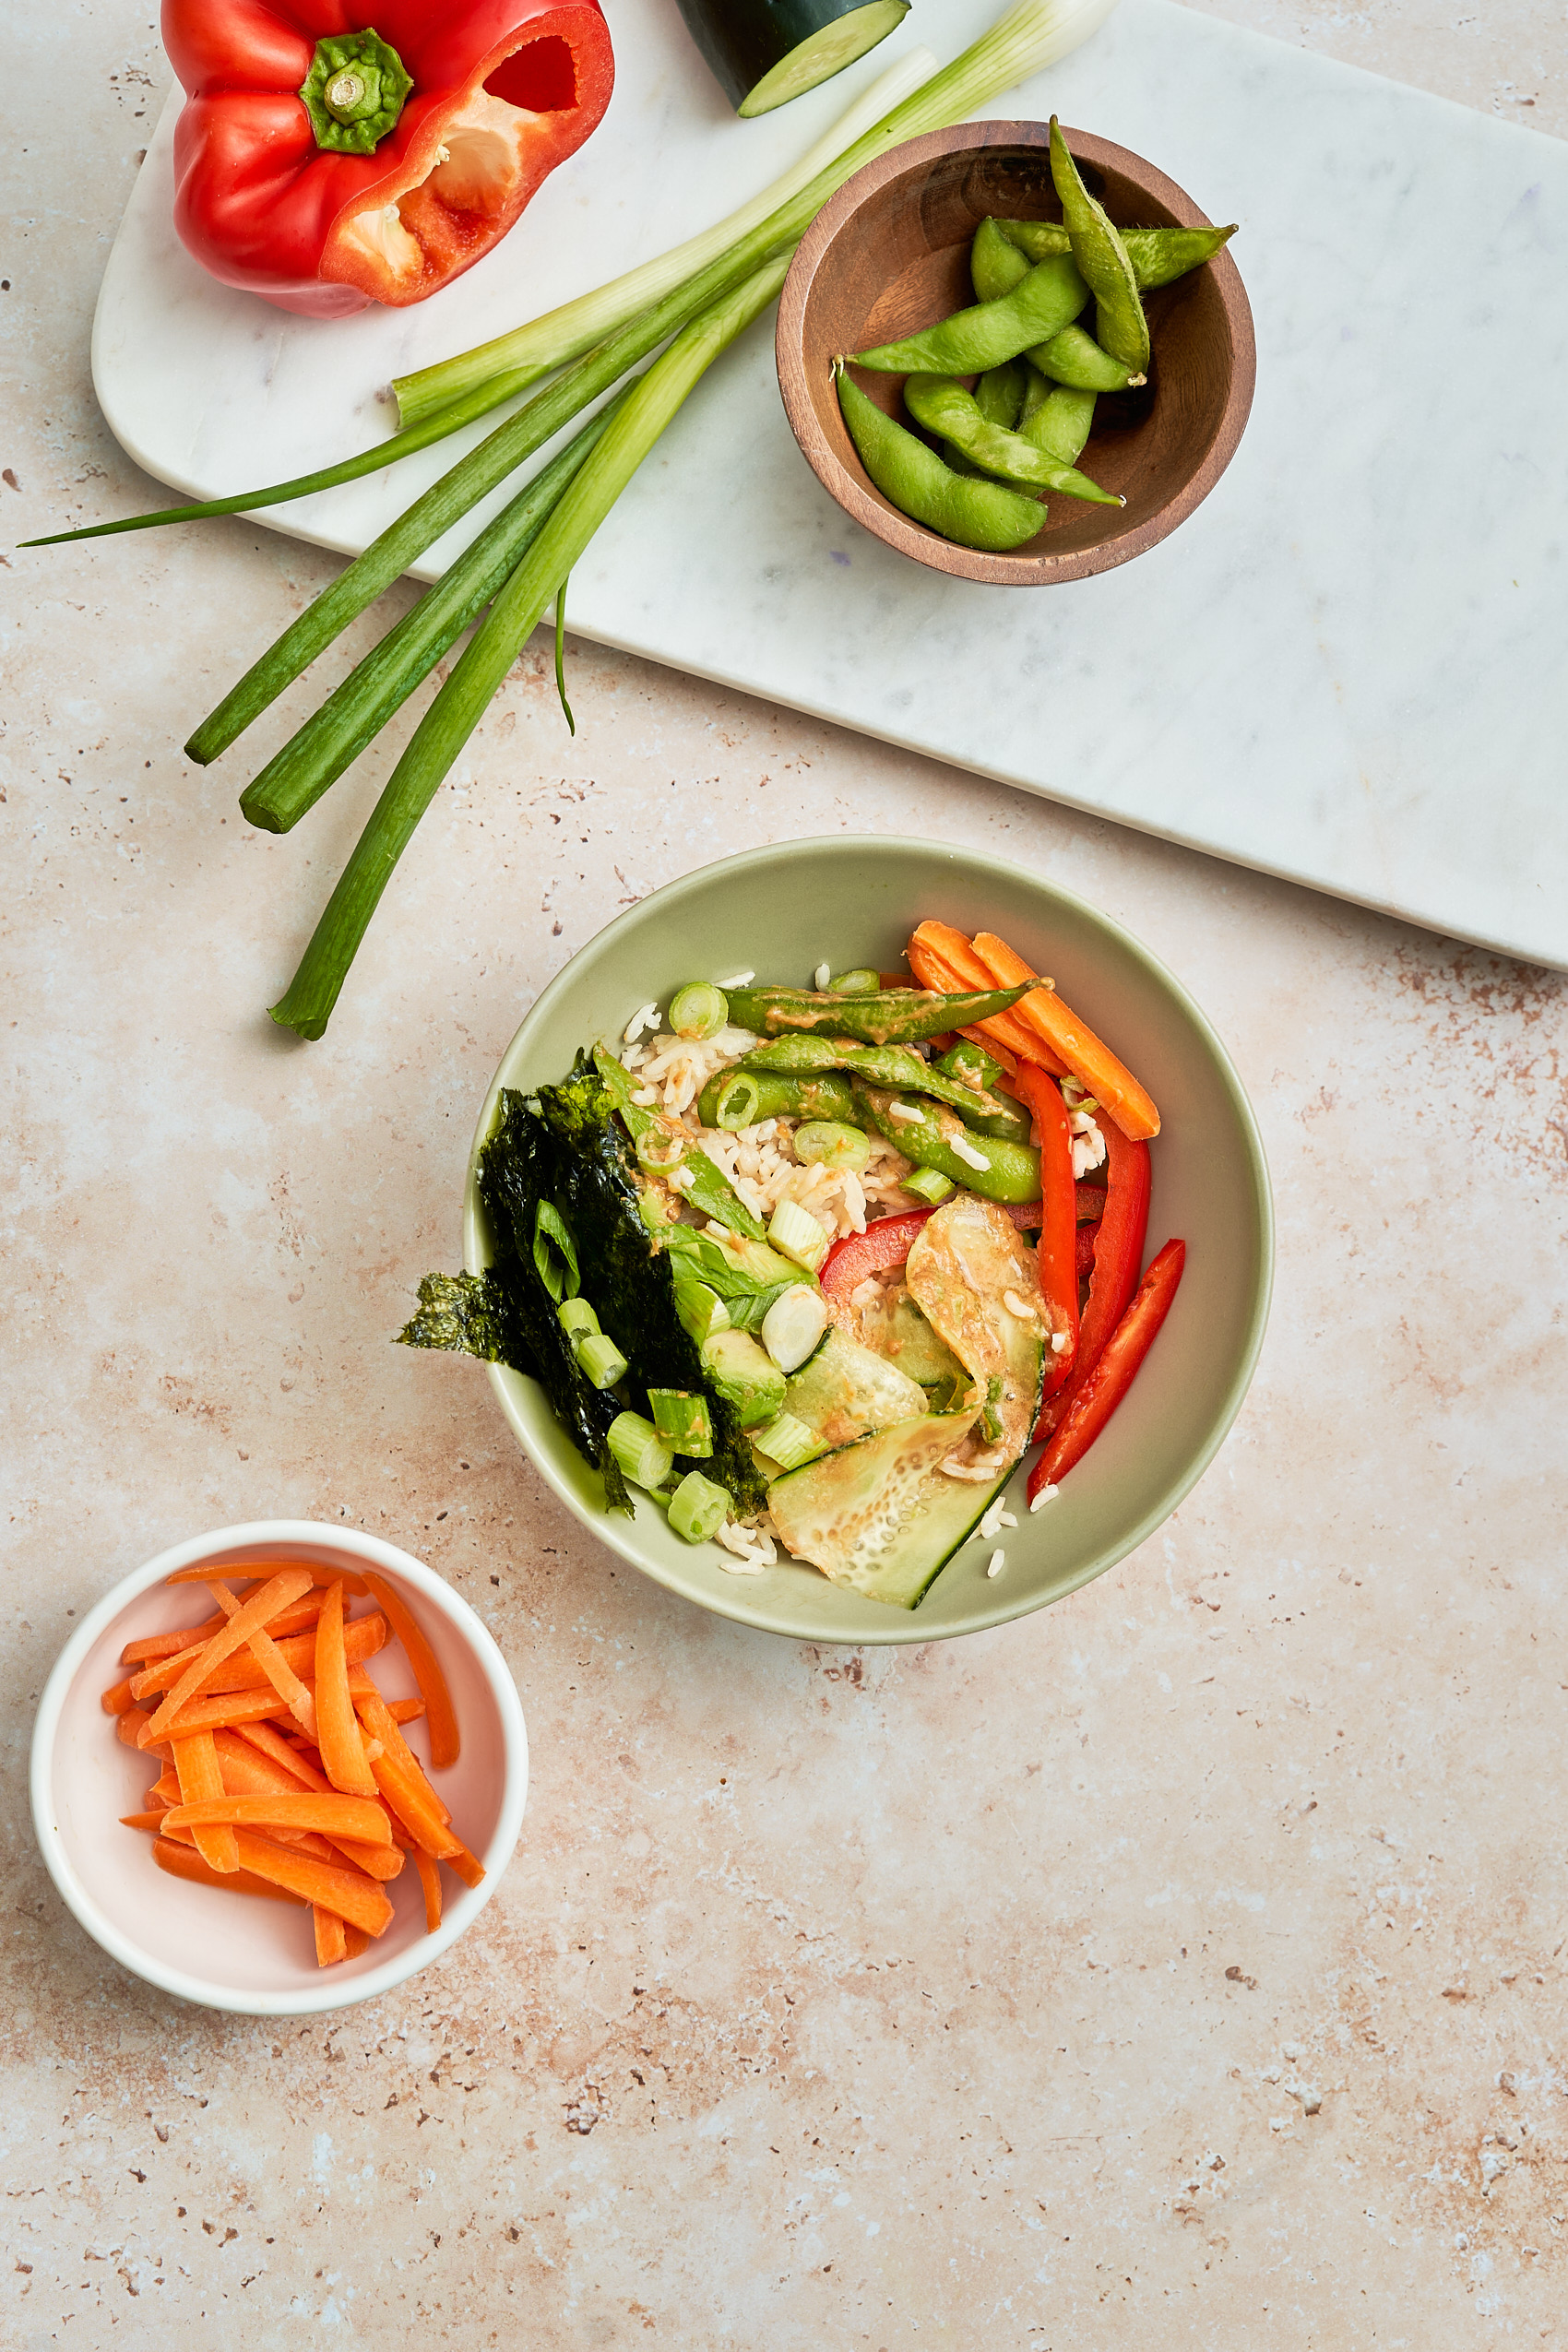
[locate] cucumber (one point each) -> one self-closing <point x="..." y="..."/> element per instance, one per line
<point x="764" y="52"/>
<point x="873" y="1517"/>
<point x="844" y="1391"/>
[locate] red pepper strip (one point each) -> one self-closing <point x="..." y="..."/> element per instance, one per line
<point x="1117" y="1254"/>
<point x="268" y="198"/>
<point x="1056" y="1255"/>
<point x="1098" y="1396"/>
<point x="886" y="1243"/>
<point x="1083" y="1245"/>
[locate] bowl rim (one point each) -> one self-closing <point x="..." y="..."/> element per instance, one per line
<point x="864" y="504"/>
<point x="608" y="1527"/>
<point x="356" y="1543"/>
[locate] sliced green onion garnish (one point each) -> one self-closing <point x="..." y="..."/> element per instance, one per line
<point x="787" y="1440"/>
<point x="699" y="1012"/>
<point x="698" y="1508"/>
<point x="683" y="1420"/>
<point x="577" y="1318"/>
<point x="554" y="1252"/>
<point x="928" y="1184"/>
<point x="701" y="1311"/>
<point x="859" y="982"/>
<point x="642" y="1453"/>
<point x="793" y="1324"/>
<point x="828" y="1143"/>
<point x="599" y="1360"/>
<point x="796" y="1234"/>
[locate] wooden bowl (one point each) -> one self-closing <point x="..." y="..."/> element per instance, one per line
<point x="890" y="255"/>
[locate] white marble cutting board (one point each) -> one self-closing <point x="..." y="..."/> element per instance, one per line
<point x="1347" y="668"/>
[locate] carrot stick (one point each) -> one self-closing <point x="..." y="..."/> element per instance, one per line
<point x="247" y="1772"/>
<point x="271" y="1743"/>
<point x="405" y="1710"/>
<point x="148" y="1647"/>
<point x="196" y="1762"/>
<point x="228" y="1708"/>
<point x="468" y="1866"/>
<point x="348" y="1892"/>
<point x="278" y="1670"/>
<point x="183" y="1861"/>
<point x="1059" y="1028"/>
<point x="153" y="1821"/>
<point x="378" y="1720"/>
<point x="229" y="1569"/>
<point x="355" y="1941"/>
<point x="246" y="1672"/>
<point x="342" y="1756"/>
<point x="166" y="1788"/>
<point x="430" y="1886"/>
<point x="334" y="1816"/>
<point x="131" y="1724"/>
<point x="330" y="1944"/>
<point x="118" y="1699"/>
<point x="408" y="1797"/>
<point x="261" y="1607"/>
<point x="383" y="1862"/>
<point x="943" y="958"/>
<point x="445" y="1745"/>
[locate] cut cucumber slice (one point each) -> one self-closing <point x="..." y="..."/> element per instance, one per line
<point x="766" y="51"/>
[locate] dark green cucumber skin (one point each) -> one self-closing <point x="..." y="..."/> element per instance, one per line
<point x="744" y="39"/>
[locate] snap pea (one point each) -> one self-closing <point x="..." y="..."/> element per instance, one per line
<point x="1102" y="257"/>
<point x="968" y="510"/>
<point x="1158" y="255"/>
<point x="880" y="1065"/>
<point x="896" y="1016"/>
<point x="737" y="1098"/>
<point x="983" y="337"/>
<point x="936" y="1137"/>
<point x="943" y="406"/>
<point x="1074" y="357"/>
<point x="975" y="1072"/>
<point x="970" y="1064"/>
<point x="664" y="1148"/>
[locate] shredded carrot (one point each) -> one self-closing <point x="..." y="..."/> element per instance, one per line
<point x="246" y="1672"/>
<point x="330" y="1942"/>
<point x="1074" y="1043"/>
<point x="271" y="1743"/>
<point x="342" y="1756"/>
<point x="262" y="1606"/>
<point x="148" y="1647"/>
<point x="196" y="1762"/>
<point x="358" y="1817"/>
<point x="270" y="1658"/>
<point x="429" y="1870"/>
<point x="228" y="1708"/>
<point x="229" y="1569"/>
<point x="445" y="1745"/>
<point x="943" y="959"/>
<point x="348" y="1892"/>
<point x="183" y="1861"/>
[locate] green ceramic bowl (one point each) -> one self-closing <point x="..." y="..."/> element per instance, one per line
<point x="786" y="909"/>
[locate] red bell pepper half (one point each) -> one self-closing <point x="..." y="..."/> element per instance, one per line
<point x="324" y="161"/>
<point x="1094" y="1400"/>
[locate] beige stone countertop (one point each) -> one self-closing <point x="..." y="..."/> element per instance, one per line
<point x="1206" y="1984"/>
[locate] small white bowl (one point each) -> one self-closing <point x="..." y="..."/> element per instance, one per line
<point x="232" y="1953"/>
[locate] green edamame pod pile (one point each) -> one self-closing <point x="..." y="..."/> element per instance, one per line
<point x="1037" y="368"/>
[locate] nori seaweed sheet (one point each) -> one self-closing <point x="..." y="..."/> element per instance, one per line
<point x="564" y="1144"/>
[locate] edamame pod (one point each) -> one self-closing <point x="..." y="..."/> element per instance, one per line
<point x="983" y="337"/>
<point x="935" y="1137"/>
<point x="1059" y="422"/>
<point x="896" y="1016"/>
<point x="1074" y="357"/>
<point x="970" y="511"/>
<point x="997" y="263"/>
<point x="999" y="396"/>
<point x="1158" y="255"/>
<point x="880" y="1065"/>
<point x="765" y="1093"/>
<point x="1102" y="257"/>
<point x="944" y="406"/>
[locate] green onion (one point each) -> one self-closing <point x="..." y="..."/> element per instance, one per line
<point x="549" y="342"/>
<point x="829" y="1142"/>
<point x="698" y="1508"/>
<point x="317" y="754"/>
<point x="797" y="1235"/>
<point x="699" y="1012"/>
<point x="561" y="657"/>
<point x="600" y="1362"/>
<point x="577" y="1318"/>
<point x="793" y="1324"/>
<point x="554" y="1252"/>
<point x="307" y="1004"/>
<point x="683" y="1420"/>
<point x="856" y="983"/>
<point x="642" y="1453"/>
<point x="788" y="1441"/>
<point x="1033" y="34"/>
<point x="736" y="1104"/>
<point x="928" y="1184"/>
<point x="700" y="1312"/>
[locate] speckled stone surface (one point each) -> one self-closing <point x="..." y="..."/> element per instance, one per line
<point x="809" y="2010"/>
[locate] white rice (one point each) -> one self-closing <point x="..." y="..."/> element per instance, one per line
<point x="753" y="1542"/>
